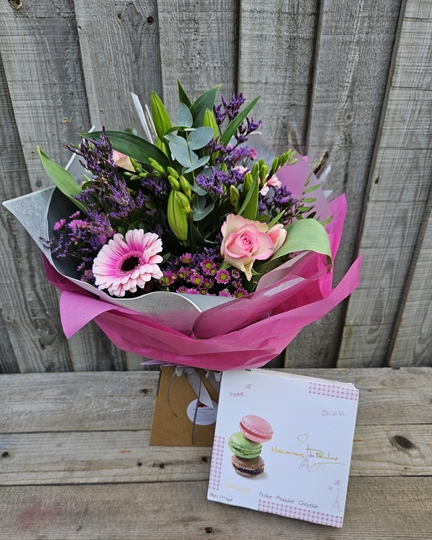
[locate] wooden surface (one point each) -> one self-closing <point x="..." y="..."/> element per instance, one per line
<point x="395" y="208"/>
<point x="348" y="78"/>
<point x="75" y="463"/>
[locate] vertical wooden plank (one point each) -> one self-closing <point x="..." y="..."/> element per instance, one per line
<point x="276" y="51"/>
<point x="412" y="339"/>
<point x="120" y="52"/>
<point x="30" y="336"/>
<point x="199" y="46"/>
<point x="353" y="53"/>
<point x="43" y="69"/>
<point x="399" y="186"/>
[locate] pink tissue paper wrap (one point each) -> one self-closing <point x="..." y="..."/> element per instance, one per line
<point x="244" y="333"/>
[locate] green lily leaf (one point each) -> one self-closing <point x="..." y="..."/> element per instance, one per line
<point x="184" y="116"/>
<point x="233" y="126"/>
<point x="61" y="177"/>
<point x="305" y="235"/>
<point x="197" y="164"/>
<point x="249" y="208"/>
<point x="183" y="97"/>
<point x="205" y="101"/>
<point x="200" y="137"/>
<point x="131" y="145"/>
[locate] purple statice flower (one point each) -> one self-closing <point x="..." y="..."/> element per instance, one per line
<point x="228" y="109"/>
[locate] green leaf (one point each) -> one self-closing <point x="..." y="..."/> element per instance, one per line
<point x="183" y="155"/>
<point x="197" y="164"/>
<point x="201" y="214"/>
<point x="131" y="145"/>
<point x="198" y="190"/>
<point x="233" y="126"/>
<point x="205" y="101"/>
<point x="61" y="178"/>
<point x="249" y="208"/>
<point x="160" y="115"/>
<point x="176" y="139"/>
<point x="305" y="235"/>
<point x="184" y="116"/>
<point x="200" y="137"/>
<point x="313" y="188"/>
<point x="183" y="97"/>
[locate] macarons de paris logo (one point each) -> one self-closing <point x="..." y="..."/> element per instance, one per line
<point x="246" y="445"/>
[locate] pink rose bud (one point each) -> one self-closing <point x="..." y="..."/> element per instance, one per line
<point x="244" y="241"/>
<point x="123" y="161"/>
<point x="278" y="235"/>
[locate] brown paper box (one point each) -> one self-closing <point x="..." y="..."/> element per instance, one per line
<point x="171" y="430"/>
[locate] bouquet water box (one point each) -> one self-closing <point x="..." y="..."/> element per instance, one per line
<point x="283" y="445"/>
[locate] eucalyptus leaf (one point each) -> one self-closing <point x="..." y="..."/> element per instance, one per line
<point x="184" y="116"/>
<point x="305" y="235"/>
<point x="176" y="139"/>
<point x="131" y="145"/>
<point x="205" y="101"/>
<point x="197" y="164"/>
<point x="200" y="137"/>
<point x="61" y="178"/>
<point x="198" y="190"/>
<point x="201" y="214"/>
<point x="234" y="125"/>
<point x="183" y="155"/>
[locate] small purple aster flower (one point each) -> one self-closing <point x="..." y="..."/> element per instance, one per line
<point x="240" y="293"/>
<point x="224" y="293"/>
<point x="186" y="258"/>
<point x="223" y="276"/>
<point x="59" y="225"/>
<point x="207" y="266"/>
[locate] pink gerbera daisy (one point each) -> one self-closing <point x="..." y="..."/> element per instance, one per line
<point x="128" y="262"/>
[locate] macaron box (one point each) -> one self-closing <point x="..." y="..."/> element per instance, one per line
<point x="283" y="444"/>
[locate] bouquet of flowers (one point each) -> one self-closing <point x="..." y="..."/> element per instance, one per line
<point x="204" y="254"/>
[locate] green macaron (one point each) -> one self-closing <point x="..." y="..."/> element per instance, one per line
<point x="242" y="447"/>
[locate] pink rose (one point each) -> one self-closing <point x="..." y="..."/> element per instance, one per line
<point x="271" y="182"/>
<point x="278" y="235"/>
<point x="123" y="161"/>
<point x="244" y="241"/>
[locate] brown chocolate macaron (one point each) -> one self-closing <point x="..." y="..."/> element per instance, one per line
<point x="248" y="467"/>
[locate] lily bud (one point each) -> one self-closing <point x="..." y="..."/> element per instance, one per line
<point x="160" y="116"/>
<point x="156" y="166"/>
<point x="185" y="187"/>
<point x="263" y="172"/>
<point x="182" y="201"/>
<point x="177" y="218"/>
<point x="210" y="121"/>
<point x="234" y="196"/>
<point x="173" y="182"/>
<point x="248" y="181"/>
<point x="173" y="172"/>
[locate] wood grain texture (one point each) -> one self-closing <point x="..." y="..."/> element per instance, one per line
<point x="404" y="141"/>
<point x="278" y="63"/>
<point x="31" y="338"/>
<point x="120" y="51"/>
<point x="45" y="81"/>
<point x="199" y="46"/>
<point x="96" y="457"/>
<point x="352" y="59"/>
<point x="412" y="342"/>
<point x="378" y="508"/>
<point x="124" y="401"/>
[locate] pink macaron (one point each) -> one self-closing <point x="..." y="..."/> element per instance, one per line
<point x="255" y="428"/>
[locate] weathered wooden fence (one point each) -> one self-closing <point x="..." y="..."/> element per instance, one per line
<point x="349" y="78"/>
